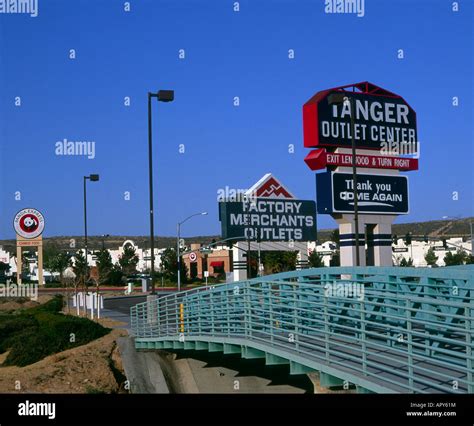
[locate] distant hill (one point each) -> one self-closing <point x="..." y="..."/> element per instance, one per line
<point x="434" y="228"/>
<point x="110" y="242"/>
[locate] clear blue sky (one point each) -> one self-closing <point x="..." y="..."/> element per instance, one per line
<point x="228" y="54"/>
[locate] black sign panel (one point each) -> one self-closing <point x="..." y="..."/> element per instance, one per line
<point x="381" y="122"/>
<point x="400" y="249"/>
<point x="269" y="219"/>
<point x="377" y="194"/>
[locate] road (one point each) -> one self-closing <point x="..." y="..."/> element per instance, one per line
<point x="118" y="307"/>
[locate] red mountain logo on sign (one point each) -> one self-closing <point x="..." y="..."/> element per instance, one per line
<point x="270" y="187"/>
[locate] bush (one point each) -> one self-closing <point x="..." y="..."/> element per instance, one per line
<point x="41" y="331"/>
<point x="14" y="326"/>
<point x="54" y="305"/>
<point x="50" y="336"/>
<point x="115" y="277"/>
<point x="53" y="284"/>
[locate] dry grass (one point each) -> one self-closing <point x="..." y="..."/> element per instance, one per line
<point x="84" y="369"/>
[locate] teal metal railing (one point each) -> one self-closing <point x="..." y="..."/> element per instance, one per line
<point x="383" y="329"/>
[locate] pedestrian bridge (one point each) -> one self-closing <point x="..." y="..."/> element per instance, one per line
<point x="384" y="330"/>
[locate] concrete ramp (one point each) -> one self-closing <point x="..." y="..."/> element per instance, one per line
<point x="143" y="369"/>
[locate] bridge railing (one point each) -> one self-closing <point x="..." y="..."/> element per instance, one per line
<point x="405" y="329"/>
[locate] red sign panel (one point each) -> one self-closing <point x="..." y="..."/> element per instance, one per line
<point x="381" y="119"/>
<point x="319" y="159"/>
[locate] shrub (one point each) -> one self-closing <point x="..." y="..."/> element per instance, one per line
<point x="11" y="326"/>
<point x="41" y="331"/>
<point x="54" y="305"/>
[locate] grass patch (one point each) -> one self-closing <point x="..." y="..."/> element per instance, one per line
<point x="37" y="332"/>
<point x="93" y="390"/>
<point x="19" y="300"/>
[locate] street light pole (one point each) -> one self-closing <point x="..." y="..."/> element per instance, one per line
<point x="103" y="242"/>
<point x="178" y="257"/>
<point x="178" y="254"/>
<point x="150" y="186"/>
<point x="163" y="96"/>
<point x="472" y="239"/>
<point x="85" y="218"/>
<point x="92" y="178"/>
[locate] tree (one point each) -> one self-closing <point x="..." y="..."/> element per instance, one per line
<point x="430" y="257"/>
<point x="408" y="239"/>
<point x="104" y="265"/>
<point x="4" y="267"/>
<point x="315" y="260"/>
<point x="457" y="258"/>
<point x="129" y="260"/>
<point x="279" y="261"/>
<point x="404" y="262"/>
<point x="335" y="236"/>
<point x="59" y="263"/>
<point x="80" y="267"/>
<point x="25" y="263"/>
<point x="80" y="270"/>
<point x="50" y="253"/>
<point x="335" y="259"/>
<point x="169" y="266"/>
<point x="115" y="276"/>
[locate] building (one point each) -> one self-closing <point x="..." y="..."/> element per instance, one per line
<point x="417" y="250"/>
<point x="217" y="261"/>
<point x="326" y="250"/>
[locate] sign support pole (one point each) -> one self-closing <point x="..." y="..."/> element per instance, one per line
<point x="19" y="264"/>
<point x="40" y="265"/>
<point x="354" y="182"/>
<point x="248" y="260"/>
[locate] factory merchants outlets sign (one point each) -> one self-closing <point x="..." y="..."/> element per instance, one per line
<point x="268" y="212"/>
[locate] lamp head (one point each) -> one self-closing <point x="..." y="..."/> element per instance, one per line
<point x="165" y="95"/>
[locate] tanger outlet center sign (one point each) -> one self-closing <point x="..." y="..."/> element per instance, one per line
<point x="364" y="136"/>
<point x="384" y="124"/>
<point x="381" y="121"/>
<point x="268" y="213"/>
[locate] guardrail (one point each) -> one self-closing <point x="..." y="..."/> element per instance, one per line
<point x="382" y="329"/>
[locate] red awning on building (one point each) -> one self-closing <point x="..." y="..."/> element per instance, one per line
<point x="217" y="264"/>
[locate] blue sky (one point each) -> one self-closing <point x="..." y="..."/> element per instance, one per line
<point x="227" y="54"/>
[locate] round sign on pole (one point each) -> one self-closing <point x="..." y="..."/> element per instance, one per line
<point x="29" y="223"/>
<point x="192" y="257"/>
